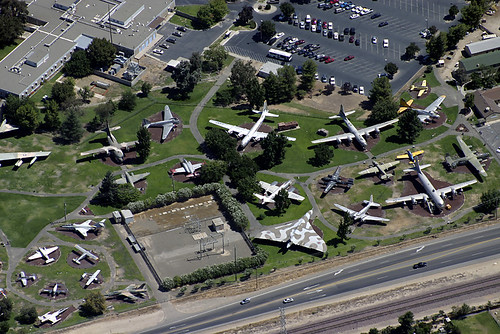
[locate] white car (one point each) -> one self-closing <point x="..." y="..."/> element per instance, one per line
<point x="361" y="90"/>
<point x="498" y="150"/>
<point x="279" y="35"/>
<point x="302" y="25"/>
<point x="354" y="16"/>
<point x="336" y="35"/>
<point x="313" y="28"/>
<point x="330" y="25"/>
<point x="332" y="80"/>
<point x="158" y="51"/>
<point x="374" y="39"/>
<point x="287" y="300"/>
<point x="325" y="32"/>
<point x="386" y="43"/>
<point x="316" y="76"/>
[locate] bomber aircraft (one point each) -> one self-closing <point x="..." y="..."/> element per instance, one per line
<point x="474" y="158"/>
<point x="425" y="115"/>
<point x="113" y="145"/>
<point x="168" y="124"/>
<point x="380" y="169"/>
<point x="362" y="215"/>
<point x="19" y="156"/>
<point x="334" y="180"/>
<point x="52" y="317"/>
<point x="271" y="190"/>
<point x="188" y="168"/>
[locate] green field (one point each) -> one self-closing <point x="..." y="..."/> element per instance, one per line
<point x="482" y="323"/>
<point x="8" y="49"/>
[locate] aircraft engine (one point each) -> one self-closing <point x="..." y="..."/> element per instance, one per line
<point x="377" y="131"/>
<point x="413" y="201"/>
<point x="443" y="195"/>
<point x="240" y="135"/>
<point x="338" y="141"/>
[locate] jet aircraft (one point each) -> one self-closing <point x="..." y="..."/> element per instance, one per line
<point x="271" y="190"/>
<point x="55" y="290"/>
<point x="474" y="158"/>
<point x="253" y="133"/>
<point x="131" y="178"/>
<point x="362" y="215"/>
<point x="4" y="127"/>
<point x="24" y="278"/>
<point x="353" y="132"/>
<point x="19" y="156"/>
<point x="85" y="227"/>
<point x="188" y="168"/>
<point x="52" y="317"/>
<point x="92" y="278"/>
<point x="85" y="253"/>
<point x="44" y="252"/>
<point x="422" y="88"/>
<point x="168" y="124"/>
<point x="131" y="293"/>
<point x="113" y="145"/>
<point x="427" y="114"/>
<point x="331" y="181"/>
<point x="380" y="169"/>
<point x="434" y="198"/>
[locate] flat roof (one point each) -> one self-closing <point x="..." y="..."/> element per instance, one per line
<point x="126" y="10"/>
<point x="483" y="46"/>
<point x="486" y="59"/>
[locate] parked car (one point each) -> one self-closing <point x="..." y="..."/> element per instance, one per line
<point x="341" y="38"/>
<point x="357" y="42"/>
<point x="158" y="51"/>
<point x="324" y="78"/>
<point x="386" y="43"/>
<point x="183" y="29"/>
<point x="352" y="31"/>
<point x="171" y="40"/>
<point x="332" y="80"/>
<point x="329" y="60"/>
<point x="346" y="31"/>
<point x="164" y="45"/>
<point x="374" y="16"/>
<point x="361" y="90"/>
<point x="349" y="58"/>
<point x="177" y="33"/>
<point x="351" y="39"/>
<point x="383" y="24"/>
<point x="374" y="39"/>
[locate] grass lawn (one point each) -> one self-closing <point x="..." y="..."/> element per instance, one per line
<point x="190" y="10"/>
<point x="7" y="49"/>
<point x="431" y="79"/>
<point x="24" y="216"/>
<point x="451" y="114"/>
<point x="482" y="323"/>
<point x="181" y="21"/>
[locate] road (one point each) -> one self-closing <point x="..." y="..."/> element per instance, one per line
<point x="441" y="255"/>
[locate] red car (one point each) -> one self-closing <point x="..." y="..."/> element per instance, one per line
<point x="348" y="58"/>
<point x="300" y="42"/>
<point x="329" y="60"/>
<point x="325" y="25"/>
<point x="313" y="22"/>
<point x="351" y="39"/>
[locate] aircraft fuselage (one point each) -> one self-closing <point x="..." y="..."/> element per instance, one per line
<point x="354" y="131"/>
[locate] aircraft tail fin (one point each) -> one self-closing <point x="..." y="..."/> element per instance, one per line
<point x="145" y="123"/>
<point x="371" y="202"/>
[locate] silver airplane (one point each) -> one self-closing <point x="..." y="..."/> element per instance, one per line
<point x="432" y="197"/>
<point x="114" y="146"/>
<point x="425" y="115"/>
<point x="474" y="158"/>
<point x="84" y="227"/>
<point x="271" y="190"/>
<point x="168" y="124"/>
<point x="131" y="178"/>
<point x="19" y="156"/>
<point x="55" y="290"/>
<point x="380" y="169"/>
<point x="92" y="277"/>
<point x="187" y="167"/>
<point x="24" y="278"/>
<point x="362" y="214"/>
<point x="353" y="132"/>
<point x="44" y="252"/>
<point x="52" y="317"/>
<point x="334" y="180"/>
<point x="4" y="127"/>
<point x="85" y="254"/>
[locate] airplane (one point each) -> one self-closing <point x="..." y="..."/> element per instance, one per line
<point x="273" y="190"/>
<point x="425" y="115"/>
<point x="131" y="178"/>
<point x="130" y="293"/>
<point x="353" y="132"/>
<point x="4" y="127"/>
<point x="333" y="180"/>
<point x="19" y="156"/>
<point x="380" y="169"/>
<point x="300" y="233"/>
<point x="114" y="146"/>
<point x="362" y="214"/>
<point x="54" y="291"/>
<point x="474" y="158"/>
<point x="44" y="252"/>
<point x="84" y="227"/>
<point x="422" y="88"/>
<point x="92" y="278"/>
<point x="85" y="253"/>
<point x="253" y="133"/>
<point x="169" y="122"/>
<point x="432" y="197"/>
<point x="410" y="155"/>
<point x="24" y="278"/>
<point x="52" y="317"/>
<point x="187" y="167"/>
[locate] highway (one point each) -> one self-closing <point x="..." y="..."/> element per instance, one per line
<point x="440" y="255"/>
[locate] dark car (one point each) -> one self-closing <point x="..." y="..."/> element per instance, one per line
<point x="356" y="42"/>
<point x="383" y="24"/>
<point x="324" y="78"/>
<point x="374" y="16"/>
<point x="299" y="69"/>
<point x="299" y="42"/>
<point x="420" y="265"/>
<point x="164" y="45"/>
<point x="183" y="29"/>
<point x="171" y="40"/>
<point x="314" y="47"/>
<point x="351" y="39"/>
<point x="355" y="88"/>
<point x="341" y="38"/>
<point x="177" y="33"/>
<point x="348" y="58"/>
<point x="346" y="31"/>
<point x="352" y="31"/>
<point x="330" y="34"/>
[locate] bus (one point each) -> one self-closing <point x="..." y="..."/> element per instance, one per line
<point x="280" y="55"/>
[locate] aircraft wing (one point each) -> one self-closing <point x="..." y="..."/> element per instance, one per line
<point x="374" y="218"/>
<point x="268" y="187"/>
<point x="464" y="147"/>
<point x="454" y="188"/>
<point x="338" y="138"/>
<point x="35" y="256"/>
<point x="138" y="177"/>
<point x="410" y="198"/>
<point x="295" y="196"/>
<point x="179" y="170"/>
<point x="105" y="149"/>
<point x="167" y="114"/>
<point x="166" y="130"/>
<point x="405" y="156"/>
<point x="127" y="145"/>
<point x="424" y="118"/>
<point x="434" y="105"/>
<point x="329" y="186"/>
<point x="376" y="127"/>
<point x="232" y="128"/>
<point x="474" y="161"/>
<point x="196" y="166"/>
<point x="370" y="170"/>
<point x="343" y="208"/>
<point x="4" y="127"/>
<point x="388" y="165"/>
<point x="337" y="172"/>
<point x="82" y="230"/>
<point x="22" y="155"/>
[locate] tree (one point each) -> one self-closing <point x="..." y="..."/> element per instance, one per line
<point x="451" y="328"/>
<point x="28" y="117"/>
<point x="455" y="34"/>
<point x="143" y="146"/>
<point x="469" y="100"/>
<point x="63" y="91"/>
<point x="128" y="101"/>
<point x="274" y="146"/>
<point x="241" y="166"/>
<point x="411" y="50"/>
<point x="94" y="304"/>
<point x="6" y="307"/>
<point x="409" y="126"/>
<point x="215" y="57"/>
<point x="187" y="75"/>
<point x="255" y="93"/>
<point x="125" y="194"/>
<point x="13" y="15"/>
<point x="103" y="113"/>
<point x="79" y="65"/>
<point x="384" y="110"/>
<point x="373" y="331"/>
<point x="241" y="75"/>
<point x="282" y="202"/>
<point x="86" y="94"/>
<point x="406" y="323"/>
<point x="453" y="11"/>
<point x="71" y="129"/>
<point x="490" y="200"/>
<point x="471" y="15"/>
<point x="391" y="69"/>
<point x="323" y="154"/>
<point x="247" y="186"/>
<point x="308" y="79"/>
<point x="267" y="30"/>
<point x="4" y="327"/>
<point x="436" y="46"/>
<point x="212" y="171"/>
<point x="220" y="144"/>
<point x="52" y="121"/>
<point x="246" y="15"/>
<point x="12" y="103"/>
<point x="107" y="190"/>
<point x="27" y="315"/>
<point x="287" y="82"/>
<point x="271" y="88"/>
<point x="101" y="53"/>
<point x="287" y="9"/>
<point x="218" y="9"/>
<point x="381" y="89"/>
<point x="343" y="229"/>
<point x="205" y="17"/>
<point x="433" y="30"/>
<point x="146" y="88"/>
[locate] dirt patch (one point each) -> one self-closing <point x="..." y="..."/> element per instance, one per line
<point x="155" y="71"/>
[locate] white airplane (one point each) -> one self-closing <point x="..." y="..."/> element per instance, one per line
<point x="44" y="252"/>
<point x="253" y="133"/>
<point x="362" y="214"/>
<point x="19" y="156"/>
<point x="131" y="178"/>
<point x="52" y="317"/>
<point x="92" y="278"/>
<point x="54" y="291"/>
<point x="24" y="278"/>
<point x="84" y="227"/>
<point x="469" y="157"/>
<point x="4" y="127"/>
<point x="85" y="253"/>
<point x="380" y="169"/>
<point x="353" y="132"/>
<point x="427" y="114"/>
<point x="432" y="196"/>
<point x="271" y="190"/>
<point x="188" y="167"/>
<point x="169" y="122"/>
<point x="114" y="146"/>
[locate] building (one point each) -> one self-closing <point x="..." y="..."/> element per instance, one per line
<point x="268" y="68"/>
<point x="481" y="47"/>
<point x="472" y="64"/>
<point x="127" y="216"/>
<point x="57" y="28"/>
<point x="487" y="102"/>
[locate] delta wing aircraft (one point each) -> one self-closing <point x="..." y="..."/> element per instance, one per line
<point x="52" y="317"/>
<point x="362" y="214"/>
<point x="434" y="198"/>
<point x="425" y="115"/>
<point x="92" y="277"/>
<point x="253" y="133"/>
<point x="130" y="293"/>
<point x="131" y="178"/>
<point x="299" y="233"/>
<point x="114" y="146"/>
<point x="4" y="127"/>
<point x="24" y="278"/>
<point x="353" y="132"/>
<point x="55" y="291"/>
<point x="168" y="124"/>
<point x="85" y="253"/>
<point x="271" y="190"/>
<point x="380" y="169"/>
<point x="334" y="180"/>
<point x="474" y="158"/>
<point x="85" y="227"/>
<point x="188" y="168"/>
<point x="19" y="156"/>
<point x="422" y="88"/>
<point x="44" y="252"/>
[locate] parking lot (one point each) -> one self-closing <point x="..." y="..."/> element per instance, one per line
<point x="406" y="18"/>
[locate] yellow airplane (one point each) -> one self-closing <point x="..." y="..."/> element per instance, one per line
<point x="410" y="155"/>
<point x="403" y="105"/>
<point x="422" y="88"/>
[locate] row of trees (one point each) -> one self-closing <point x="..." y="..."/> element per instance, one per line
<point x="211" y="13"/>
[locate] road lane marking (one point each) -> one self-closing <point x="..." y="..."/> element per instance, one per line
<point x="338" y="272"/>
<point x="310" y="287"/>
<point x="418" y="250"/>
